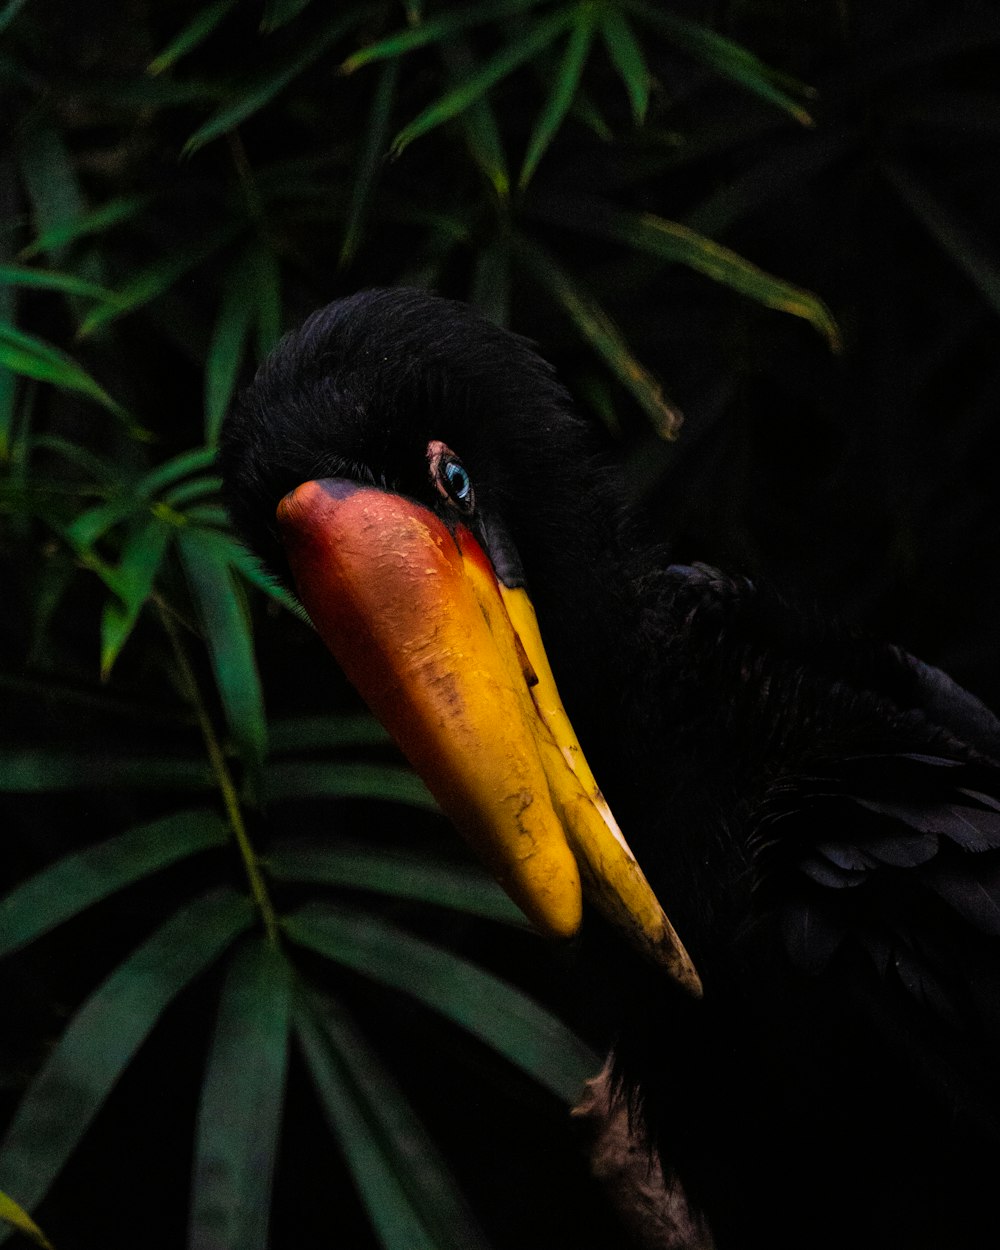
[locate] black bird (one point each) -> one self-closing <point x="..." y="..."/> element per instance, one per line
<point x="817" y="1054"/>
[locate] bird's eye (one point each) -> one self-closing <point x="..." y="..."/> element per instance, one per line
<point x="450" y="477"/>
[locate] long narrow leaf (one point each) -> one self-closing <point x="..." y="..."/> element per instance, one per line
<point x="423" y="1174"/>
<point x="32" y="358"/>
<point x="78" y="881"/>
<point x="394" y="1218"/>
<point x="492" y="1010"/>
<point x="315" y="733"/>
<point x="370" y="158"/>
<point x="38" y="770"/>
<point x="50" y="280"/>
<point x="601" y="333"/>
<point x="103" y="1038"/>
<point x="482" y="134"/>
<point x="484" y="76"/>
<point x="627" y="58"/>
<point x="563" y="92"/>
<point x="142" y="555"/>
<point x="320" y="779"/>
<point x="267" y="273"/>
<point x="112" y="213"/>
<point x="228" y="343"/>
<point x="248" y="567"/>
<point x="229" y="640"/>
<point x="239" y="1116"/>
<point x="194" y="33"/>
<point x="11" y="1212"/>
<point x="452" y="886"/>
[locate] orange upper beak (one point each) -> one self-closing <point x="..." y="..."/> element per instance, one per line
<point x="451" y="661"/>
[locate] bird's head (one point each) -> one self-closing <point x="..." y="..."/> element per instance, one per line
<point x="410" y="470"/>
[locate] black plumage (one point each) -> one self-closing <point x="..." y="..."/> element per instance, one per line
<point x="818" y="812"/>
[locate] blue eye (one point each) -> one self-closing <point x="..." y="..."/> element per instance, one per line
<point x="450" y="477"/>
<point x="457" y="481"/>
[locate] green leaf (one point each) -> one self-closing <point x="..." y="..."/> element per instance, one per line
<point x="669" y="240"/>
<point x="627" y="58"/>
<point x="267" y="272"/>
<point x="9" y="11"/>
<point x="400" y="1175"/>
<point x="279" y="13"/>
<point x="135" y="573"/>
<point x="487" y="1007"/>
<point x="37" y="770"/>
<point x="262" y="88"/>
<point x="396" y="1223"/>
<point x="50" y="178"/>
<point x="482" y="134"/>
<point x="370" y="159"/>
<point x="239" y="1115"/>
<point x="32" y="358"/>
<point x="195" y="488"/>
<point x="103" y="1037"/>
<point x="326" y="733"/>
<point x="563" y="91"/>
<point x="484" y="76"/>
<point x="194" y="33"/>
<point x="230" y="641"/>
<point x="113" y="213"/>
<point x="10" y="1212"/>
<point x="250" y="568"/>
<point x="491" y="283"/>
<point x="77" y="881"/>
<point x="173" y="470"/>
<point x="435" y="30"/>
<point x="49" y="280"/>
<point x="972" y="255"/>
<point x="319" y="779"/>
<point x="456" y="887"/>
<point x="228" y="343"/>
<point x="603" y="336"/>
<point x="730" y="60"/>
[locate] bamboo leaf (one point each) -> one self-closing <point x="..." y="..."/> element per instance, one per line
<point x="49" y="280"/>
<point x="669" y="240"/>
<point x="267" y="272"/>
<point x="142" y="555"/>
<point x="228" y="343"/>
<point x="730" y="60"/>
<point x="33" y="358"/>
<point x="603" y="336"/>
<point x="484" y="76"/>
<point x="262" y="88"/>
<point x="279" y="13"/>
<point x="319" y="779"/>
<point x="352" y="1079"/>
<point x="370" y="159"/>
<point x="627" y="58"/>
<point x="563" y="91"/>
<point x="436" y="30"/>
<point x="50" y="178"/>
<point x="104" y="1036"/>
<point x="113" y="213"/>
<point x="194" y="33"/>
<point x="10" y="1212"/>
<point x="394" y="1219"/>
<point x="78" y="881"/>
<point x="482" y="134"/>
<point x="325" y="733"/>
<point x="9" y="11"/>
<point x="230" y="642"/>
<point x="37" y="770"/>
<point x="456" y="887"/>
<point x="195" y="488"/>
<point x="239" y="1115"/>
<point x="487" y="1007"/>
<point x="248" y="567"/>
<point x="491" y="283"/>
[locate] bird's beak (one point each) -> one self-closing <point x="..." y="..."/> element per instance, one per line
<point x="451" y="661"/>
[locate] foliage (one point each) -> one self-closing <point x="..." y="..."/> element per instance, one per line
<point x="194" y="830"/>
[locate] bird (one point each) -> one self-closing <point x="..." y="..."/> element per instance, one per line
<point x="776" y="838"/>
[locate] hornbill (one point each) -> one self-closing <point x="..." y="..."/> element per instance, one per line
<point x="812" y="1040"/>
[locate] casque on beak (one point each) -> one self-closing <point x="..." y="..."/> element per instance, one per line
<point x="451" y="661"/>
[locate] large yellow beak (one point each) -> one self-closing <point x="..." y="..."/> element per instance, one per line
<point x="451" y="661"/>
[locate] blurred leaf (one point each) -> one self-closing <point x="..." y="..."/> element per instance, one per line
<point x="229" y="639"/>
<point x="50" y="179"/>
<point x="729" y="59"/>
<point x="491" y="283"/>
<point x="370" y="159"/>
<point x="484" y="76"/>
<point x="482" y="134"/>
<point x="394" y="1218"/>
<point x="141" y="557"/>
<point x="228" y="343"/>
<point x="9" y="11"/>
<point x="601" y="333"/>
<point x="195" y="488"/>
<point x="174" y="469"/>
<point x="645" y="232"/>
<point x="405" y="1184"/>
<point x="488" y="1008"/>
<point x="34" y="770"/>
<point x="239" y="1114"/>
<point x="103" y="1037"/>
<point x="24" y="354"/>
<point x="627" y="58"/>
<point x="194" y="33"/>
<point x="314" y="779"/>
<point x="279" y="13"/>
<point x="49" y="280"/>
<point x="8" y="383"/>
<point x="267" y="273"/>
<point x="436" y="29"/>
<point x="249" y="567"/>
<point x="121" y="208"/>
<point x="77" y="881"/>
<point x="323" y="733"/>
<point x="458" y="888"/>
<point x="97" y="467"/>
<point x="10" y="1212"/>
<point x="262" y="88"/>
<point x="971" y="255"/>
<point x="563" y="89"/>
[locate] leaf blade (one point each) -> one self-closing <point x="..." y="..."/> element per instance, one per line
<point x="562" y="94"/>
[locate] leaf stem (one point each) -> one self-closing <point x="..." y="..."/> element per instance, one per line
<point x="227" y="788"/>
